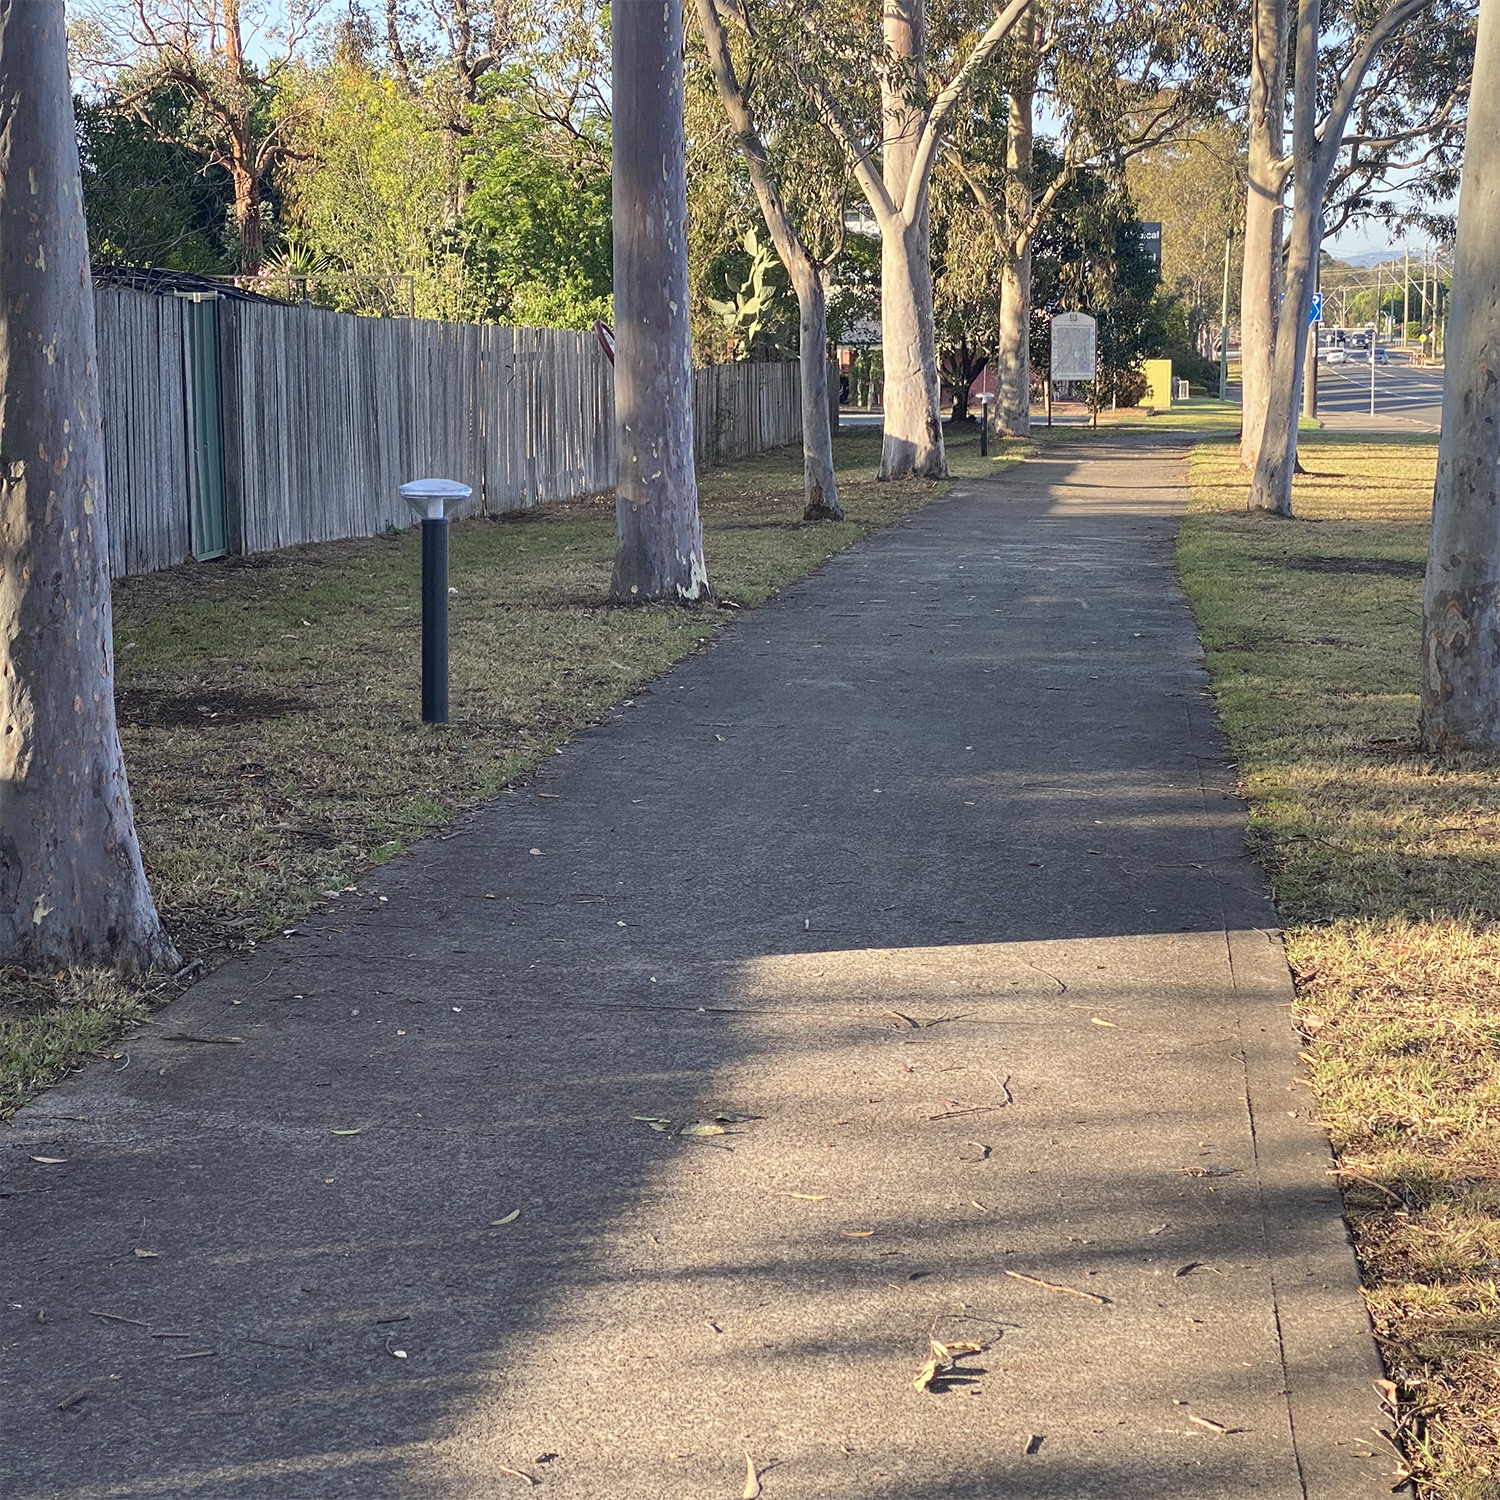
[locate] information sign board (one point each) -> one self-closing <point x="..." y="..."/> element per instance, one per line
<point x="1074" y="346"/>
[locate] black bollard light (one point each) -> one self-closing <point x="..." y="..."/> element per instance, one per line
<point x="429" y="499"/>
<point x="984" y="427"/>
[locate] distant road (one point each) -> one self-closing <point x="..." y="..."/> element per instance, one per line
<point x="1407" y="399"/>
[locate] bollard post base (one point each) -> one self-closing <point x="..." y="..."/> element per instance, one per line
<point x="435" y="620"/>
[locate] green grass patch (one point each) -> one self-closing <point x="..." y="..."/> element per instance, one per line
<point x="1386" y="868"/>
<point x="270" y="705"/>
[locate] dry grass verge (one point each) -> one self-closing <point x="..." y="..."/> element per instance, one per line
<point x="269" y="706"/>
<point x="1386" y="866"/>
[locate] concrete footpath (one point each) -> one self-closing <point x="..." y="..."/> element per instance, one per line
<point x="926" y="887"/>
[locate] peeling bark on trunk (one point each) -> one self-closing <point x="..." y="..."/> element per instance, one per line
<point x="247" y="225"/>
<point x="658" y="534"/>
<point x="1461" y="612"/>
<point x="72" y="887"/>
<point x="913" y="442"/>
<point x="1013" y="364"/>
<point x="1259" y="278"/>
<point x="1013" y="373"/>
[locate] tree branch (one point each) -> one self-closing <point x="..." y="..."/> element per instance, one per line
<point x="868" y="174"/>
<point x="788" y="242"/>
<point x="948" y="97"/>
<point x="1330" y="133"/>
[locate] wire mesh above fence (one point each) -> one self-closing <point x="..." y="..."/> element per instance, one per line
<point x="299" y="423"/>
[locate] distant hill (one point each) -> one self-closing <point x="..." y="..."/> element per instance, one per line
<point x="1369" y="257"/>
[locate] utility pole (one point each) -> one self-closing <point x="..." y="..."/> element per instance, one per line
<point x="1224" y="322"/>
<point x="1441" y="313"/>
<point x="1406" y="297"/>
<point x="1374" y="339"/>
<point x="1425" y="303"/>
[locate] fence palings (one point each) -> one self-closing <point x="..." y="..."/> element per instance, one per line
<point x="324" y="414"/>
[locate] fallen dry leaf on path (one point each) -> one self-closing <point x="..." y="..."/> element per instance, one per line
<point x="943" y="1356"/>
<point x="949" y="1352"/>
<point x="702" y="1127"/>
<point x="810" y="1197"/>
<point x="858" y="1234"/>
<point x="506" y="1468"/>
<point x="51" y="1161"/>
<point x="1208" y="1423"/>
<point x="510" y="1218"/>
<point x="752" y="1480"/>
<point x="1097" y="1022"/>
<point x="147" y="1254"/>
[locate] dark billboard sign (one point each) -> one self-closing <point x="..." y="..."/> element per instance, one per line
<point x="1151" y="243"/>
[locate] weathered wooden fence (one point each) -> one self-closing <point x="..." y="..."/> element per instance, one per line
<point x="320" y="415"/>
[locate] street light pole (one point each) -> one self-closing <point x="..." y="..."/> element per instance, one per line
<point x="1374" y="339"/>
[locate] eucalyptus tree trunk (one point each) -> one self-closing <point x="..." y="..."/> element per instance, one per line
<point x="1315" y="150"/>
<point x="1013" y="373"/>
<point x="1461" y="612"/>
<point x="1271" y="488"/>
<point x="1260" y="276"/>
<point x="913" y="419"/>
<point x="72" y="887"/>
<point x="658" y="534"/>
<point x="1276" y="463"/>
<point x="820" y="488"/>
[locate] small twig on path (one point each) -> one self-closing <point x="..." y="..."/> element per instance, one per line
<point x="1057" y="1286"/>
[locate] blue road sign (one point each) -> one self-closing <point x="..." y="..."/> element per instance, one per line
<point x="1316" y="315"/>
